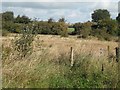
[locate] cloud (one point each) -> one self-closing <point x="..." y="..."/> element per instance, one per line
<point x="83" y="6"/>
<point x="73" y="12"/>
<point x="42" y="5"/>
<point x="61" y="1"/>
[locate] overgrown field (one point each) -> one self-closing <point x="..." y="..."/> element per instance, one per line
<point x="48" y="66"/>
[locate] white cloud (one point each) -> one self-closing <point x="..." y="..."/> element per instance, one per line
<point x="61" y="0"/>
<point x="73" y="12"/>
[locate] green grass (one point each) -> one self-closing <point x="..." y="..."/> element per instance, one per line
<point x="70" y="30"/>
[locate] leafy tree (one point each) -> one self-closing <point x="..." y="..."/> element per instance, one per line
<point x="100" y="14"/>
<point x="23" y="19"/>
<point x="8" y="16"/>
<point x="7" y="22"/>
<point x="83" y="29"/>
<point x="110" y="25"/>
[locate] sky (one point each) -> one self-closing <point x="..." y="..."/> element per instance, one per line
<point x="72" y="10"/>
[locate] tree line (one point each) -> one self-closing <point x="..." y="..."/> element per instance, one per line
<point x="102" y="25"/>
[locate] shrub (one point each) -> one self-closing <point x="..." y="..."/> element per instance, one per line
<point x="64" y="31"/>
<point x="24" y="44"/>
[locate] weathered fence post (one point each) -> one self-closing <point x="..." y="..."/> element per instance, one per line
<point x="108" y="49"/>
<point x="117" y="54"/>
<point x="102" y="69"/>
<point x="71" y="57"/>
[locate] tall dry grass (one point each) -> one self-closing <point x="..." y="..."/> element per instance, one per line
<point x="49" y="64"/>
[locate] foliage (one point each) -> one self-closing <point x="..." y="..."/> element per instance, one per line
<point x="54" y="28"/>
<point x="8" y="16"/>
<point x="77" y="27"/>
<point x="11" y="27"/>
<point x="101" y="34"/>
<point x="64" y="31"/>
<point x="24" y="44"/>
<point x="83" y="29"/>
<point x="100" y="17"/>
<point x="110" y="25"/>
<point x="100" y="14"/>
<point x="23" y="19"/>
<point x="86" y="29"/>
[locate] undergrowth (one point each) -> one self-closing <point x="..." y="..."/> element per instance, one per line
<point x="43" y="72"/>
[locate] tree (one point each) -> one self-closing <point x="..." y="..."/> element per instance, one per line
<point x="8" y="16"/>
<point x="64" y="29"/>
<point x="62" y="20"/>
<point x="110" y="25"/>
<point x="7" y="21"/>
<point x="50" y="20"/>
<point x="100" y="14"/>
<point x="23" y="19"/>
<point x="17" y="19"/>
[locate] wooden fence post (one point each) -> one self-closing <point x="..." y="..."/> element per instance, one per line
<point x="71" y="57"/>
<point x="108" y="49"/>
<point x="102" y="69"/>
<point x="117" y="54"/>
